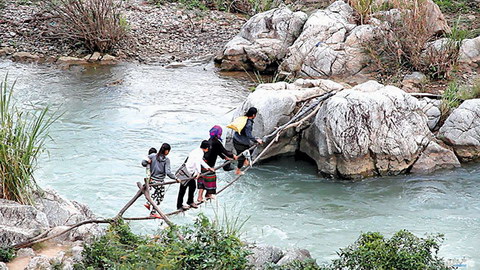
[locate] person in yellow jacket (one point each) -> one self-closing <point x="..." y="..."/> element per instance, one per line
<point x="243" y="139"/>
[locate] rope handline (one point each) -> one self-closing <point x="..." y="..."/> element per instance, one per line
<point x="296" y="121"/>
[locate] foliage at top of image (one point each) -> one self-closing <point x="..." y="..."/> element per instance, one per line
<point x="98" y="24"/>
<point x="22" y="140"/>
<point x="206" y="246"/>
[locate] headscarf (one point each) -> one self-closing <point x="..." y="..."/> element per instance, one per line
<point x="216" y="132"/>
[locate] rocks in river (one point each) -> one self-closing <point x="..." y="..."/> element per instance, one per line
<point x="368" y="130"/>
<point x="435" y="157"/>
<point x="462" y="130"/>
<point x="361" y="133"/>
<point x="262" y="41"/>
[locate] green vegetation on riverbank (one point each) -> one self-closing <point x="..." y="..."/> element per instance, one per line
<point x="206" y="246"/>
<point x="22" y="139"/>
<point x="210" y="246"/>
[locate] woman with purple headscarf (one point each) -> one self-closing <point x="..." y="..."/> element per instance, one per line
<point x="209" y="181"/>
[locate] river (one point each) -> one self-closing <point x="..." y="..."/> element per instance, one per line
<point x="113" y="115"/>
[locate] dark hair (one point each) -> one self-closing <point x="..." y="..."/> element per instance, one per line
<point x="164" y="148"/>
<point x="205" y="144"/>
<point x="152" y="150"/>
<point x="251" y="112"/>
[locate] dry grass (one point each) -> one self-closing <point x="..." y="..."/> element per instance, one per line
<point x="404" y="46"/>
<point x="98" y="24"/>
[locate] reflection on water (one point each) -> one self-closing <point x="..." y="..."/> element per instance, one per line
<point x="106" y="131"/>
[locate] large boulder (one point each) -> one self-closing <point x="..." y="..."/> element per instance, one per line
<point x="262" y="41"/>
<point x="20" y="222"/>
<point x="462" y="130"/>
<point x="263" y="255"/>
<point x="330" y="44"/>
<point x="366" y="131"/>
<point x="276" y="104"/>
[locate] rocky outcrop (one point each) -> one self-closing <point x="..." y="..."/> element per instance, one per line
<point x="25" y="57"/>
<point x="20" y="222"/>
<point x="277" y="103"/>
<point x="330" y="44"/>
<point x="435" y="157"/>
<point x="262" y="41"/>
<point x="462" y="130"/>
<point x="264" y="255"/>
<point x="366" y="131"/>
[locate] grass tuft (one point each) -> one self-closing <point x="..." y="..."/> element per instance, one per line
<point x="22" y="140"/>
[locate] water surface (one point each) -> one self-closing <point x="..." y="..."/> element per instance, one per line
<point x="113" y="115"/>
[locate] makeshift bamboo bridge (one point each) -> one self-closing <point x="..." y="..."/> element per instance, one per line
<point x="309" y="108"/>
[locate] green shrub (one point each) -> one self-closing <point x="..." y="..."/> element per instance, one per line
<point x="403" y="251"/>
<point x="6" y="255"/>
<point x="22" y="139"/>
<point x="205" y="247"/>
<point x="452" y="5"/>
<point x="296" y="265"/>
<point x="249" y="7"/>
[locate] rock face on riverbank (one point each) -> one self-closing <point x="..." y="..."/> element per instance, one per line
<point x="20" y="222"/>
<point x="51" y="213"/>
<point x="330" y="43"/>
<point x="367" y="130"/>
<point x="462" y="130"/>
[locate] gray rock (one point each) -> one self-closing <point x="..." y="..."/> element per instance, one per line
<point x="435" y="157"/>
<point x="262" y="41"/>
<point x="330" y="44"/>
<point x="39" y="263"/>
<point x="363" y="133"/>
<point x="25" y="252"/>
<point x="263" y="255"/>
<point x="3" y="266"/>
<point x="462" y="130"/>
<point x="59" y="211"/>
<point x="470" y="51"/>
<point x="431" y="108"/>
<point x="77" y="253"/>
<point x="294" y="254"/>
<point x="414" y="81"/>
<point x="68" y="264"/>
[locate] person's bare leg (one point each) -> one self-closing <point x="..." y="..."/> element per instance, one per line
<point x="200" y="195"/>
<point x="238" y="171"/>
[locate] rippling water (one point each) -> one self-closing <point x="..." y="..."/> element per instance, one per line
<point x="105" y="131"/>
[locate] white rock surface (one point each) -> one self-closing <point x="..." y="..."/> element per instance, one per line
<point x="262" y="41"/>
<point x="39" y="263"/>
<point x="330" y="44"/>
<point x="294" y="254"/>
<point x="462" y="130"/>
<point x="431" y="108"/>
<point x="360" y="133"/>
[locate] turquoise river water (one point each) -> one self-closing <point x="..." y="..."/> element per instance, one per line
<point x="106" y="131"/>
